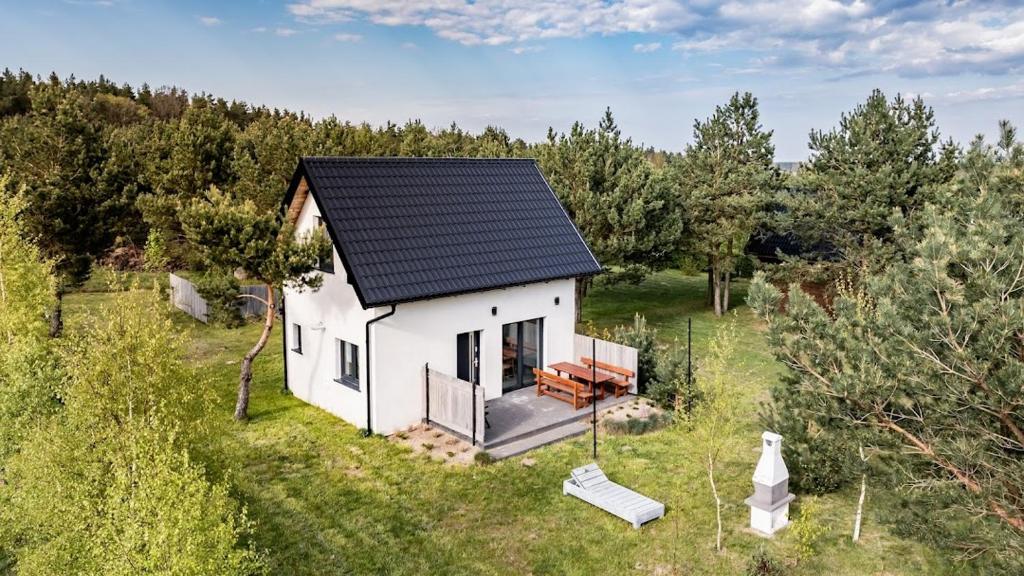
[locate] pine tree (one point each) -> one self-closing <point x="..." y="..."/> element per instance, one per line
<point x="883" y="160"/>
<point x="924" y="361"/>
<point x="235" y="237"/>
<point x="622" y="206"/>
<point x="53" y="154"/>
<point x="724" y="179"/>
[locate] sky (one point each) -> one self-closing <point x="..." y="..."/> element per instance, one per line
<point x="530" y="65"/>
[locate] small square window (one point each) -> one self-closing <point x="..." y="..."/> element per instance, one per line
<point x="297" y="338"/>
<point x="346" y="366"/>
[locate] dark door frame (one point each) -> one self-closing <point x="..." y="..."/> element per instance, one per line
<point x="473" y="338"/>
<point x="524" y="379"/>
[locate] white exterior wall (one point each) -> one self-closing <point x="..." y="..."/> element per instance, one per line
<point x="334" y="307"/>
<point x="418" y="333"/>
<point x="426" y="331"/>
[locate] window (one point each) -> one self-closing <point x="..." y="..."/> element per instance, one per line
<point x="347" y="364"/>
<point x="522" y="344"/>
<point x="297" y="338"/>
<point x="326" y="261"/>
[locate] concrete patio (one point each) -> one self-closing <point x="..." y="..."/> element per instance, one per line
<point x="521" y="421"/>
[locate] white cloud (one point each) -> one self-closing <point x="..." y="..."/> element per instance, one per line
<point x="346" y="37"/>
<point x="209" y="21"/>
<point x="410" y="46"/>
<point x="285" y="32"/>
<point x="926" y="37"/>
<point x="499" y="22"/>
<point x="526" y="49"/>
<point x="259" y="29"/>
<point x="987" y="93"/>
<point x="855" y="37"/>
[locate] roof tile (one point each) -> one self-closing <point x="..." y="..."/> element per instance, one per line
<point x="417" y="228"/>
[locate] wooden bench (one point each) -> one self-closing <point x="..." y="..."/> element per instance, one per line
<point x="563" y="389"/>
<point x="621" y="384"/>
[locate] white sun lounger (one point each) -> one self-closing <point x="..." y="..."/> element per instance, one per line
<point x="591" y="485"/>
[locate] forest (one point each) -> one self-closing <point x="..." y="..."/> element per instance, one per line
<point x="888" y="276"/>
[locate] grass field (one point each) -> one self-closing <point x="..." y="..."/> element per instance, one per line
<point x="327" y="501"/>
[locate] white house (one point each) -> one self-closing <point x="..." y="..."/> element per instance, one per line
<point x="466" y="264"/>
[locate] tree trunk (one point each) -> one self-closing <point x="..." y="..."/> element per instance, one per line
<point x="860" y="507"/>
<point x="57" y="315"/>
<point x="581" y="292"/>
<point x="245" y="376"/>
<point x="727" y="274"/>
<point x="718" y="503"/>
<point x="860" y="501"/>
<point x="725" y="292"/>
<point x="711" y="284"/>
<point x="716" y="291"/>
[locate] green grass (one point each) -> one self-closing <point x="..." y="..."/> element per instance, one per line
<point x="327" y="501"/>
<point x="103" y="279"/>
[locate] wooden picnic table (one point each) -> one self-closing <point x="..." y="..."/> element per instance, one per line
<point x="585" y="375"/>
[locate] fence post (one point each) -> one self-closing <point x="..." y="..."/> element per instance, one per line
<point x="426" y="372"/>
<point x="593" y="388"/>
<point x="689" y="366"/>
<point x="473" y="390"/>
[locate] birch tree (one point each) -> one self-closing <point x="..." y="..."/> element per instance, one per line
<point x="110" y="483"/>
<point x="27" y="288"/>
<point x="235" y="237"/>
<point x="715" y="419"/>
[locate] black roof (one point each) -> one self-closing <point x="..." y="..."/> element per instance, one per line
<point x="416" y="228"/>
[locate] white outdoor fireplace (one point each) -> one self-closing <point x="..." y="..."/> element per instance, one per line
<point x="769" y="505"/>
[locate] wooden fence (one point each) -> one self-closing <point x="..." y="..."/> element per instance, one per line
<point x="609" y="352"/>
<point x="454" y="404"/>
<point x="185" y="296"/>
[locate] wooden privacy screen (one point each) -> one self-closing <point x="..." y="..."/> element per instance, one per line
<point x="609" y="353"/>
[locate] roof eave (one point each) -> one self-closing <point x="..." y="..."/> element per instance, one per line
<point x="436" y="296"/>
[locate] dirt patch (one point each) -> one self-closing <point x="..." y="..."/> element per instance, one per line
<point x="437" y="444"/>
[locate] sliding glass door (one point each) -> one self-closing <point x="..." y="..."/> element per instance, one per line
<point x="521" y="352"/>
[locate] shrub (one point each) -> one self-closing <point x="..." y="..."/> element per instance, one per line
<point x="155" y="256"/>
<point x="820" y="459"/>
<point x="645" y="340"/>
<point x="483" y="458"/>
<point x="763" y="564"/>
<point x="669" y="388"/>
<point x="636" y="426"/>
<point x="808" y="529"/>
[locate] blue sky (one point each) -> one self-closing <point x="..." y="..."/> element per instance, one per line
<point x="525" y="66"/>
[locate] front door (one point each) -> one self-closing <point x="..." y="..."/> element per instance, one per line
<point x="521" y="352"/>
<point x="468" y="357"/>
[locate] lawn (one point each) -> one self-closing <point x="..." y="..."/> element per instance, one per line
<point x="326" y="501"/>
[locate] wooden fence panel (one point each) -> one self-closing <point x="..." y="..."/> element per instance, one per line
<point x="251" y="307"/>
<point x="184" y="296"/>
<point x="609" y="352"/>
<point x="450" y="402"/>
